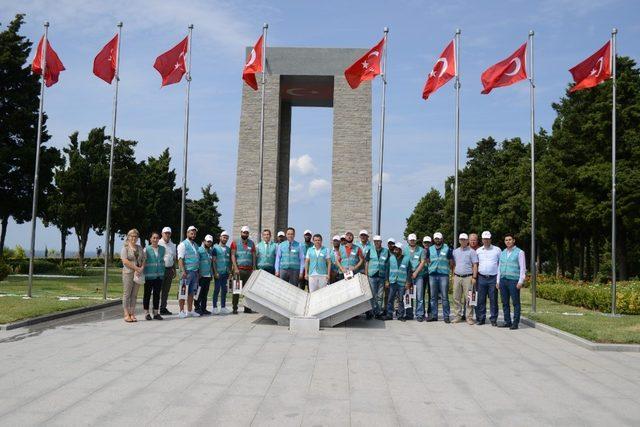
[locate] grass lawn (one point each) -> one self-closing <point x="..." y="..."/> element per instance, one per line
<point x="591" y="325"/>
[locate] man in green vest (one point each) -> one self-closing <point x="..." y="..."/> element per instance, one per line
<point x="377" y="269"/>
<point x="317" y="265"/>
<point x="306" y="245"/>
<point x="189" y="262"/>
<point x="364" y="243"/>
<point x="351" y="257"/>
<point x="266" y="255"/>
<point x="417" y="261"/>
<point x="336" y="274"/>
<point x="281" y="237"/>
<point x="290" y="259"/>
<point x="243" y="258"/>
<point x="426" y="244"/>
<point x="398" y="282"/>
<point x="511" y="274"/>
<point x="440" y="263"/>
<point x="206" y="273"/>
<point x="221" y="269"/>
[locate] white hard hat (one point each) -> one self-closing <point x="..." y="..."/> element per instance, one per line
<point x="486" y="234"/>
<point x="336" y="237"/>
<point x="426" y="239"/>
<point x="399" y="245"/>
<point x="208" y="238"/>
<point x="344" y="236"/>
<point x="166" y="230"/>
<point x="224" y="233"/>
<point x="463" y="236"/>
<point x="412" y="237"/>
<point x="377" y="238"/>
<point x="437" y="235"/>
<point x="191" y="227"/>
<point x="245" y="228"/>
<point x="280" y="233"/>
<point x="391" y="240"/>
<point x="307" y="232"/>
<point x="365" y="232"/>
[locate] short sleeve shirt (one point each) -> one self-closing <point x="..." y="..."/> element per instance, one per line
<point x="464" y="258"/>
<point x="136" y="256"/>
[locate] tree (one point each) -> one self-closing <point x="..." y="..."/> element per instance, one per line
<point x="203" y="213"/>
<point x="19" y="101"/>
<point x="58" y="215"/>
<point x="428" y="215"/>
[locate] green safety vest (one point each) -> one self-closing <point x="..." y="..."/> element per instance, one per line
<point x="205" y="261"/>
<point x="365" y="248"/>
<point x="191" y="257"/>
<point x="334" y="261"/>
<point x="244" y="257"/>
<point x="317" y="263"/>
<point x="266" y="254"/>
<point x="415" y="258"/>
<point x="154" y="266"/>
<point x="290" y="255"/>
<point x="509" y="264"/>
<point x="351" y="260"/>
<point x="378" y="264"/>
<point x="398" y="273"/>
<point x="223" y="258"/>
<point x="438" y="262"/>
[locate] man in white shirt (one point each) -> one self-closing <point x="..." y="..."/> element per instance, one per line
<point x="488" y="261"/>
<point x="170" y="259"/>
<point x="189" y="262"/>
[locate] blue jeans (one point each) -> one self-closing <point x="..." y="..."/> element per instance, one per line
<point x="191" y="281"/>
<point x="396" y="293"/>
<point x="509" y="290"/>
<point x="220" y="287"/>
<point x="418" y="283"/>
<point x="439" y="286"/>
<point x="377" y="289"/>
<point x="487" y="286"/>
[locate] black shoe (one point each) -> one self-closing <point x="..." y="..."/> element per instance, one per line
<point x="494" y="323"/>
<point x="379" y="317"/>
<point x="447" y="320"/>
<point x="464" y="318"/>
<point x="432" y="319"/>
<point x="479" y="322"/>
<point x="235" y="311"/>
<point x="513" y="327"/>
<point x="505" y="325"/>
<point x="402" y="319"/>
<point x="206" y="312"/>
<point x="157" y="317"/>
<point x="420" y="319"/>
<point x="368" y="315"/>
<point x="165" y="312"/>
<point x="387" y="317"/>
<point x="247" y="310"/>
<point x="148" y="317"/>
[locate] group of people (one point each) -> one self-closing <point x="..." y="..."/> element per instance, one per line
<point x="396" y="272"/>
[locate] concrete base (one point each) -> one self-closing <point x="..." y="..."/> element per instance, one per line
<point x="305" y="325"/>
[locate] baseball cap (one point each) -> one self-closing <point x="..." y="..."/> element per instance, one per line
<point x="280" y="233"/>
<point x="336" y="237"/>
<point x="208" y="238"/>
<point x="224" y="233"/>
<point x="377" y="238"/>
<point x="166" y="230"/>
<point x="245" y="228"/>
<point x="365" y="232"/>
<point x="412" y="237"/>
<point x="399" y="245"/>
<point x="426" y="239"/>
<point x="307" y="232"/>
<point x="486" y="234"/>
<point x="191" y="227"/>
<point x="437" y="235"/>
<point x="344" y="236"/>
<point x="391" y="240"/>
<point x="463" y="236"/>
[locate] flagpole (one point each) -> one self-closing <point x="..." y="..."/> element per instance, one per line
<point x="265" y="26"/>
<point x="457" y="155"/>
<point x="383" y="76"/>
<point x="532" y="88"/>
<point x="107" y="232"/>
<point x="34" y="208"/>
<point x="614" y="32"/>
<point x="186" y="138"/>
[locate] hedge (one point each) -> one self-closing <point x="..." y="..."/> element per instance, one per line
<point x="593" y="296"/>
<point x="5" y="270"/>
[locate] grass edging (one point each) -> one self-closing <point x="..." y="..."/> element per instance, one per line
<point x="57" y="315"/>
<point x="584" y="343"/>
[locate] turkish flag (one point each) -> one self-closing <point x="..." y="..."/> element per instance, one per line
<point x="506" y="72"/>
<point x="593" y="70"/>
<point x="104" y="65"/>
<point x="253" y="65"/>
<point x="53" y="64"/>
<point x="365" y="68"/>
<point x="172" y="64"/>
<point x="443" y="71"/>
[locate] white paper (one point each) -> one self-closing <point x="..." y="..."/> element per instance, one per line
<point x="472" y="297"/>
<point x="237" y="286"/>
<point x="407" y="300"/>
<point x="413" y="293"/>
<point x="348" y="274"/>
<point x="183" y="291"/>
<point x="198" y="292"/>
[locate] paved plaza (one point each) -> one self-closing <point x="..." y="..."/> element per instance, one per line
<point x="245" y="370"/>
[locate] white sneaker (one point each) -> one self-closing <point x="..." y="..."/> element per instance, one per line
<point x="224" y="310"/>
<point x="182" y="314"/>
<point x="194" y="314"/>
<point x="216" y="310"/>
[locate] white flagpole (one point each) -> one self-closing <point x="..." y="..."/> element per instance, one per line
<point x="34" y="208"/>
<point x="186" y="137"/>
<point x="457" y="155"/>
<point x="614" y="32"/>
<point x="383" y="76"/>
<point x="107" y="232"/>
<point x="532" y="88"/>
<point x="265" y="26"/>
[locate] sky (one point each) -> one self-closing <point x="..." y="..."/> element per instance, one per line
<point x="419" y="135"/>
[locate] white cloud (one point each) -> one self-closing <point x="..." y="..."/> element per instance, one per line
<point x="318" y="186"/>
<point x="302" y="165"/>
<point x="386" y="177"/>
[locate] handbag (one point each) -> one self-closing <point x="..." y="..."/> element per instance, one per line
<point x="138" y="278"/>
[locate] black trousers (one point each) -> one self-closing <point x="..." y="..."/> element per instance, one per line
<point x="152" y="286"/>
<point x="201" y="302"/>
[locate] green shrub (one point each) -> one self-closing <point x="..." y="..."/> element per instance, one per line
<point x="40" y="266"/>
<point x="74" y="271"/>
<point x="5" y="270"/>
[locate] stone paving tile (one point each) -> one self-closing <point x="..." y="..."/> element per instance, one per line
<point x="244" y="370"/>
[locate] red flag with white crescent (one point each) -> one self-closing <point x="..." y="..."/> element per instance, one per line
<point x="53" y="66"/>
<point x="366" y="68"/>
<point x="104" y="65"/>
<point x="172" y="64"/>
<point x="443" y="70"/>
<point x="593" y="70"/>
<point x="253" y="65"/>
<point x="506" y="72"/>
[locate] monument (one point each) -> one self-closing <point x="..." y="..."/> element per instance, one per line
<point x="305" y="77"/>
<point x="282" y="302"/>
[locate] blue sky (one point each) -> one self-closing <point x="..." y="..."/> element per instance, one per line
<point x="419" y="135"/>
